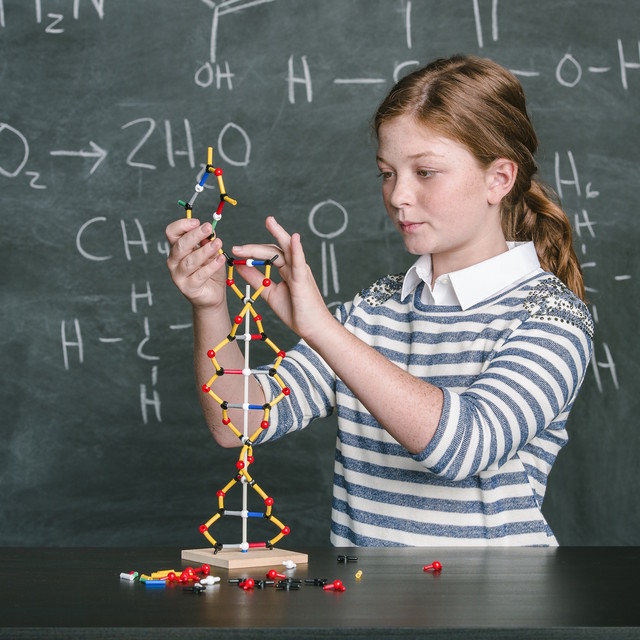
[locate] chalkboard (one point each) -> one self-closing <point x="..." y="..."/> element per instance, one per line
<point x="107" y="108"/>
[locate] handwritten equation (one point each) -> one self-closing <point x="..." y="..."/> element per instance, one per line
<point x="138" y="138"/>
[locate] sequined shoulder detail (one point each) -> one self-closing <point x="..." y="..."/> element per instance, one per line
<point x="552" y="300"/>
<point x="381" y="290"/>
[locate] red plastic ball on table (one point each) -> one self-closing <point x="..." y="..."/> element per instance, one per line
<point x="435" y="566"/>
<point x="336" y="585"/>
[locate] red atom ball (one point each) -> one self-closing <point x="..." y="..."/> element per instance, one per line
<point x="286" y="391"/>
<point x="266" y="282"/>
<point x="286" y="531"/>
<point x="211" y="353"/>
<point x="238" y="319"/>
<point x="205" y="388"/>
<point x="269" y="502"/>
<point x="250" y="459"/>
<point x="272" y="574"/>
<point x="218" y="171"/>
<point x="230" y="282"/>
<point x="435" y="566"/>
<point x="258" y="318"/>
<point x="281" y="354"/>
<point x="203" y="528"/>
<point x="240" y="464"/>
<point x="264" y="424"/>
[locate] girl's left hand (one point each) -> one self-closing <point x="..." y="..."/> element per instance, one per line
<point x="296" y="300"/>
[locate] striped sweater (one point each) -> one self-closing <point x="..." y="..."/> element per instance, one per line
<point x="509" y="367"/>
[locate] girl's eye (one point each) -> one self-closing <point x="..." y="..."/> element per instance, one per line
<point x="385" y="175"/>
<point x="425" y="173"/>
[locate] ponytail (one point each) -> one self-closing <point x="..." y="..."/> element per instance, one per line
<point x="539" y="217"/>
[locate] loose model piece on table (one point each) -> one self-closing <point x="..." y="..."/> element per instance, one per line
<point x="262" y="553"/>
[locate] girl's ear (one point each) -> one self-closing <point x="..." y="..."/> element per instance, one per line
<point x="501" y="176"/>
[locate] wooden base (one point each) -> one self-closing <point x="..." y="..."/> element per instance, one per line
<point x="236" y="559"/>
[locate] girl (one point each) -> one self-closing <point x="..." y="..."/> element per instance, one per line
<point x="453" y="381"/>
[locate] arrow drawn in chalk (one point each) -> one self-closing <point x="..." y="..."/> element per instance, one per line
<point x="96" y="152"/>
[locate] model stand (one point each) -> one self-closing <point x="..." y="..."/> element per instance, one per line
<point x="244" y="553"/>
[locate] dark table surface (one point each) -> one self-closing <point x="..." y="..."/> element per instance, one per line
<point x="480" y="593"/>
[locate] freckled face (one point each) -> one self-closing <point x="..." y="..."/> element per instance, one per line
<point x="436" y="194"/>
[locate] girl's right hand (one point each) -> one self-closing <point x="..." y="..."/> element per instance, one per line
<point x="196" y="265"/>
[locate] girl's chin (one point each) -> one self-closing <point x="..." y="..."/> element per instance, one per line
<point x="415" y="248"/>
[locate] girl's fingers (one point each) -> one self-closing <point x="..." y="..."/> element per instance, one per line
<point x="279" y="233"/>
<point x="200" y="257"/>
<point x="298" y="260"/>
<point x="282" y="238"/>
<point x="187" y="244"/>
<point x="259" y="252"/>
<point x="178" y="228"/>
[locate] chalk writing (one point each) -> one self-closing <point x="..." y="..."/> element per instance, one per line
<point x="143" y="140"/>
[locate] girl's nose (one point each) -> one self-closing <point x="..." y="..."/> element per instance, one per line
<point x="402" y="193"/>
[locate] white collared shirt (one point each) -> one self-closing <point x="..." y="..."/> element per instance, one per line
<point x="469" y="286"/>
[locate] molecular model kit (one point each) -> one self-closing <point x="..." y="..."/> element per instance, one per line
<point x="243" y="553"/>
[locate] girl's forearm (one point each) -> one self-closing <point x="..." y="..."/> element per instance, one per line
<point x="210" y="328"/>
<point x="408" y="408"/>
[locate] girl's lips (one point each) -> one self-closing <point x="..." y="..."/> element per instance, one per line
<point x="408" y="227"/>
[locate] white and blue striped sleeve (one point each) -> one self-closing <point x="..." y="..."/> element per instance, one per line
<point x="312" y="385"/>
<point x="524" y="394"/>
